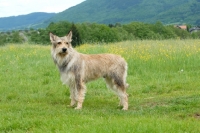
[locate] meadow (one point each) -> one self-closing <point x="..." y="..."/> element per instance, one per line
<point x="164" y="92"/>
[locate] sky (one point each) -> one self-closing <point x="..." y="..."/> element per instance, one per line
<point x="22" y="7"/>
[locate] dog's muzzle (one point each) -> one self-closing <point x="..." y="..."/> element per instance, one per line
<point x="64" y="50"/>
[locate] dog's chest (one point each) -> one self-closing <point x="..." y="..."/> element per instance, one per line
<point x="67" y="78"/>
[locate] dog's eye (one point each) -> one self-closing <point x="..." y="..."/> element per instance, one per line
<point x="59" y="43"/>
<point x="66" y="43"/>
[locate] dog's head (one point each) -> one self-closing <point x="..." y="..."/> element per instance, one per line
<point x="61" y="45"/>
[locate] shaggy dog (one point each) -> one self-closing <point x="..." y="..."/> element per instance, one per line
<point x="77" y="69"/>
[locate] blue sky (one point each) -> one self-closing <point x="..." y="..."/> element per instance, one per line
<point x="22" y="7"/>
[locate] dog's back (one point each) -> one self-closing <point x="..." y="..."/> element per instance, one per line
<point x="103" y="65"/>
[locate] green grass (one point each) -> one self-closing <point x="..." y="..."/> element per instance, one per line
<point x="164" y="93"/>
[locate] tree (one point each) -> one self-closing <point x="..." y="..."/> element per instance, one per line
<point x="16" y="38"/>
<point x="76" y="38"/>
<point x="2" y="39"/>
<point x="60" y="29"/>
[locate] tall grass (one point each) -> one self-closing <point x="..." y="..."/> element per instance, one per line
<point x="164" y="93"/>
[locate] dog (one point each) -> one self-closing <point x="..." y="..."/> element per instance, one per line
<point x="76" y="69"/>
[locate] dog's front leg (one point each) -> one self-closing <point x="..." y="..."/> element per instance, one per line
<point x="72" y="96"/>
<point x="81" y="89"/>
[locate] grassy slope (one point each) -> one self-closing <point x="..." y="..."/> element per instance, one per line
<point x="104" y="11"/>
<point x="164" y="91"/>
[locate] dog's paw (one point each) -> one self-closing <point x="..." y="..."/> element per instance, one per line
<point x="78" y="108"/>
<point x="124" y="109"/>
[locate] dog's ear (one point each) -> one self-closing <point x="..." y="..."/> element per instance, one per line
<point x="69" y="36"/>
<point x="52" y="37"/>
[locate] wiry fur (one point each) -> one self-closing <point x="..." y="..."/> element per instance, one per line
<point x="76" y="69"/>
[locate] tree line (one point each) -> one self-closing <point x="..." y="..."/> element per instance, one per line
<point x="98" y="33"/>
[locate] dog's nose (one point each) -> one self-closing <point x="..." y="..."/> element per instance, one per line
<point x="64" y="49"/>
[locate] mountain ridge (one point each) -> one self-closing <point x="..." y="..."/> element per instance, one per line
<point x="24" y="21"/>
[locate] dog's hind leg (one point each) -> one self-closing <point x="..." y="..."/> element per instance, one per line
<point x="123" y="98"/>
<point x="119" y="86"/>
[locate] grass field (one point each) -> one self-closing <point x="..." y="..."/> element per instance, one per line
<point x="164" y="92"/>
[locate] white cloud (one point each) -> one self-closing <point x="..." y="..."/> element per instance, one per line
<point x="21" y="7"/>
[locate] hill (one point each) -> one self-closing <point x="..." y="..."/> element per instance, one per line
<point x="24" y="21"/>
<point x="113" y="11"/>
